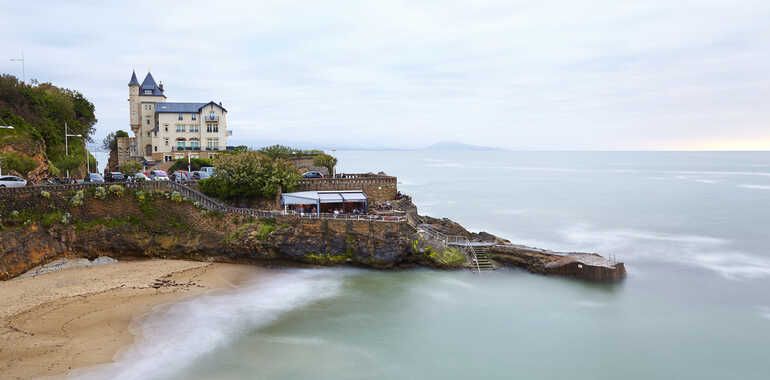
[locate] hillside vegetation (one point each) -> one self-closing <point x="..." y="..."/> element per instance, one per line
<point x="38" y="112"/>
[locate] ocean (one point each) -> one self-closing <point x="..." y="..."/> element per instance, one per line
<point x="692" y="228"/>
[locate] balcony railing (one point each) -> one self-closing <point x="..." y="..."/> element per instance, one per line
<point x="212" y="118"/>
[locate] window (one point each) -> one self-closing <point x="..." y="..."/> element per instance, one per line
<point x="148" y="134"/>
<point x="212" y="128"/>
<point x="212" y="143"/>
<point x="155" y="133"/>
<point x="156" y="148"/>
<point x="194" y="128"/>
<point x="166" y="141"/>
<point x="148" y="121"/>
<point x="148" y="92"/>
<point x="180" y="116"/>
<point x="194" y="144"/>
<point x="180" y="127"/>
<point x="180" y="144"/>
<point x="166" y="127"/>
<point x="194" y="116"/>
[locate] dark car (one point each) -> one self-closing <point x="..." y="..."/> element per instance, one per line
<point x="94" y="177"/>
<point x="312" y="175"/>
<point x="114" y="177"/>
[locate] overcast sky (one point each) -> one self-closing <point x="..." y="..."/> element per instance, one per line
<point x="515" y="74"/>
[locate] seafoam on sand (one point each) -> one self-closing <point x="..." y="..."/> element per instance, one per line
<point x="173" y="336"/>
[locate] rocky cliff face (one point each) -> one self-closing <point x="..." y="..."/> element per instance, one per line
<point x="162" y="228"/>
<point x="29" y="149"/>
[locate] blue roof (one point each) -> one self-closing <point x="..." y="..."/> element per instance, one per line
<point x="134" y="81"/>
<point x="168" y="107"/>
<point x="149" y="84"/>
<point x="178" y="107"/>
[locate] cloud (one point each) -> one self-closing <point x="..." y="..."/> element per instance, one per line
<point x="536" y="75"/>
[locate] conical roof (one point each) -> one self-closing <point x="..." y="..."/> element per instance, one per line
<point x="134" y="81"/>
<point x="149" y="84"/>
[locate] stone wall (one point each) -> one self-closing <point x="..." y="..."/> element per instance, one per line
<point x="378" y="188"/>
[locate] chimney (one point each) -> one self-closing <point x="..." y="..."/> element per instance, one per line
<point x="160" y="86"/>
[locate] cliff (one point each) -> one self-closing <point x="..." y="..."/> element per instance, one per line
<point x="38" y="226"/>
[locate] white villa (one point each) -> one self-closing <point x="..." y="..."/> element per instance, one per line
<point x="166" y="131"/>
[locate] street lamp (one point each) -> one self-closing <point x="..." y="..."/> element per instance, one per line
<point x="67" y="149"/>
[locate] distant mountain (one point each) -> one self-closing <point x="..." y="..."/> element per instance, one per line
<point x="454" y="145"/>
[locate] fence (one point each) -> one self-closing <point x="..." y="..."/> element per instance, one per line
<point x="196" y="196"/>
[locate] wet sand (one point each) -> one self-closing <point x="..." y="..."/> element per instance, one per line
<point x="55" y="322"/>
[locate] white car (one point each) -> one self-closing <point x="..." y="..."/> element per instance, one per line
<point x="12" y="181"/>
<point x="158" y="175"/>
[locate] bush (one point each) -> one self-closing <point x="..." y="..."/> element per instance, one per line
<point x="249" y="174"/>
<point x="195" y="164"/>
<point x="100" y="193"/>
<point x="140" y="195"/>
<point x="45" y="194"/>
<point x="176" y="197"/>
<point x="131" y="168"/>
<point x="325" y="160"/>
<point x="116" y="190"/>
<point x="18" y="163"/>
<point x="78" y="199"/>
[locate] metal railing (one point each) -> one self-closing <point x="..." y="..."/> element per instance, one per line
<point x="446" y="240"/>
<point x="203" y="200"/>
<point x="212" y="118"/>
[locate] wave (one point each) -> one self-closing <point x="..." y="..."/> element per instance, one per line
<point x="755" y="187"/>
<point x="174" y="336"/>
<point x="706" y="252"/>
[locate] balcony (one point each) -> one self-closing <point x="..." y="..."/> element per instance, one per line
<point x="212" y="118"/>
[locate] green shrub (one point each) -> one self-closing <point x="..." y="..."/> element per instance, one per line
<point x="100" y="193"/>
<point x="117" y="190"/>
<point x="78" y="199"/>
<point x="176" y="197"/>
<point x="45" y="194"/>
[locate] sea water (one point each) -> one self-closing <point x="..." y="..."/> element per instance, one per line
<point x="692" y="228"/>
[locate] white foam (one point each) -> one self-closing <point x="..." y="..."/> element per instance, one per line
<point x="705" y="252"/>
<point x="755" y="187"/>
<point x="175" y="336"/>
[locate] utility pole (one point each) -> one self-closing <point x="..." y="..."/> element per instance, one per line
<point x="23" y="72"/>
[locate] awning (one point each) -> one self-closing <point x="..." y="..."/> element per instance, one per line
<point x="313" y="197"/>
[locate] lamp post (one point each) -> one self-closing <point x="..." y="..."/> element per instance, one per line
<point x="67" y="149"/>
<point x="4" y="127"/>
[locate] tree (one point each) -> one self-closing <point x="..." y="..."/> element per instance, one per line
<point x="131" y="167"/>
<point x="249" y="174"/>
<point x="195" y="164"/>
<point x="69" y="163"/>
<point x="18" y="163"/>
<point x="276" y="151"/>
<point x="325" y="160"/>
<point x="110" y="141"/>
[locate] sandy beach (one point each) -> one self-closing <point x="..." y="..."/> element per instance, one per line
<point x="55" y="322"/>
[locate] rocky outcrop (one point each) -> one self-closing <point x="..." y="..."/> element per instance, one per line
<point x="30" y="149"/>
<point x="37" y="229"/>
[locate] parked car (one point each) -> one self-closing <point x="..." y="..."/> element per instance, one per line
<point x="200" y="175"/>
<point x="114" y="177"/>
<point x="208" y="169"/>
<point x="158" y="175"/>
<point x="312" y="175"/>
<point x="138" y="177"/>
<point x="180" y="175"/>
<point x="94" y="178"/>
<point x="12" y="181"/>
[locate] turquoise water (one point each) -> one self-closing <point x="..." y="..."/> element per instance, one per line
<point x="691" y="227"/>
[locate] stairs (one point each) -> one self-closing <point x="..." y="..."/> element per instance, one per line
<point x="162" y="165"/>
<point x="482" y="259"/>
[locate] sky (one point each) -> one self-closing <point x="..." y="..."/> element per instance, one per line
<point x="539" y="75"/>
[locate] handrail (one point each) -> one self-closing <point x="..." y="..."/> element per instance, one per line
<point x="446" y="239"/>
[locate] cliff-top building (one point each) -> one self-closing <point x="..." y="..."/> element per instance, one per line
<point x="166" y="131"/>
